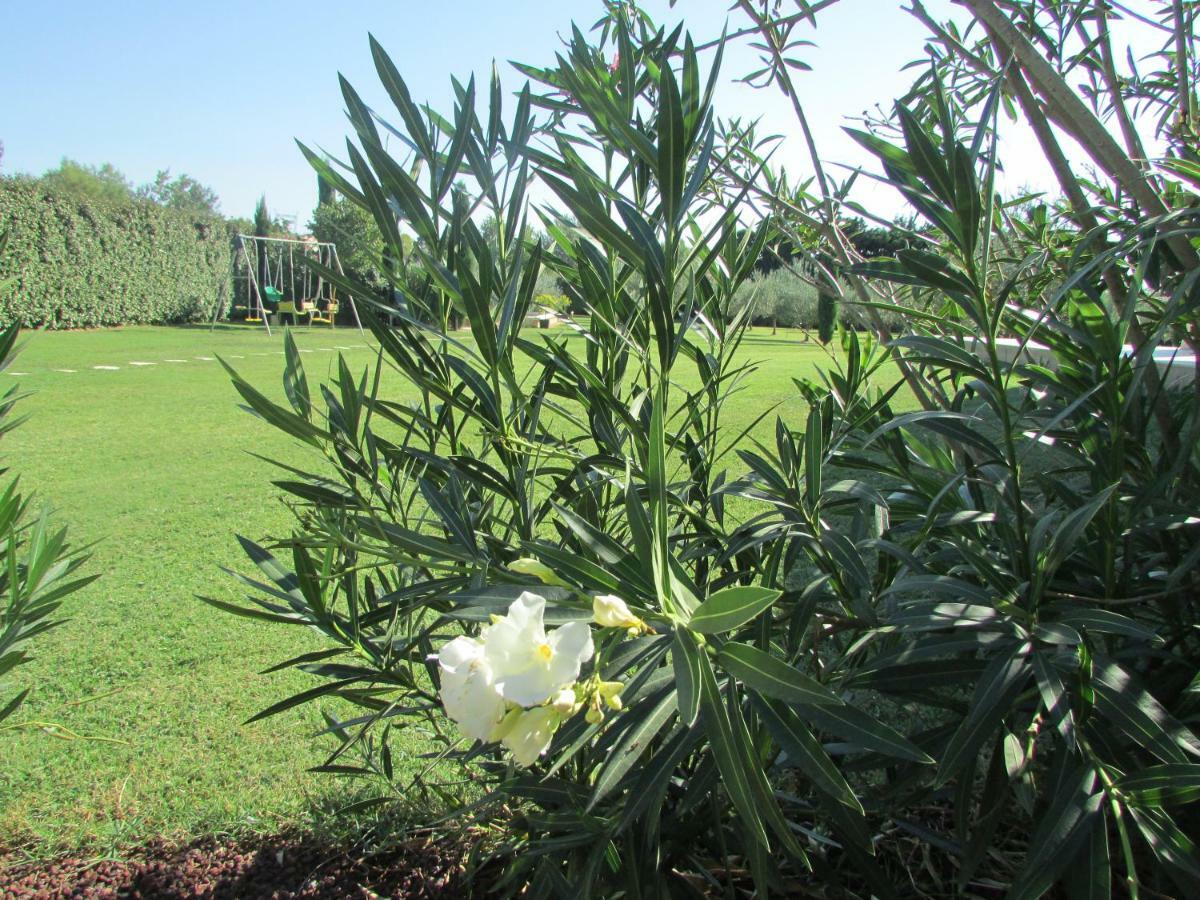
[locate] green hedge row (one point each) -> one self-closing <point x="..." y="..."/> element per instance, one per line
<point x="79" y="263"/>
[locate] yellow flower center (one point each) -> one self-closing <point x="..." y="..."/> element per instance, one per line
<point x="545" y="652"/>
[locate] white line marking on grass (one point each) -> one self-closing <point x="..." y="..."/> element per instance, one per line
<point x="68" y="371"/>
<point x="205" y="358"/>
<point x="16" y="373"/>
<point x="340" y="347"/>
<point x="235" y="356"/>
<point x="107" y="368"/>
<point x="135" y="363"/>
<point x="175" y="360"/>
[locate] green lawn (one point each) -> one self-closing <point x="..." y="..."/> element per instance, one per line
<point x="152" y="464"/>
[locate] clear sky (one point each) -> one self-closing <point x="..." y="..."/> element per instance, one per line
<point x="219" y="89"/>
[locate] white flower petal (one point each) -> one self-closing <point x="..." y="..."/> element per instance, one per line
<point x="528" y="666"/>
<point x="468" y="693"/>
<point x="571" y="647"/>
<point x="509" y="642"/>
<point x="531" y="686"/>
<point x="564" y="701"/>
<point x="531" y="734"/>
<point x="459" y="652"/>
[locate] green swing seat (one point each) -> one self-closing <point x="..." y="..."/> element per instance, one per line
<point x="291" y="308"/>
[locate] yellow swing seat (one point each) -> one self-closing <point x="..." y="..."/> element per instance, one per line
<point x="326" y="316"/>
<point x="296" y="308"/>
<point x="249" y="310"/>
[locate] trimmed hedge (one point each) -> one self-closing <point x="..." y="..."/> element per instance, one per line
<point x="79" y="264"/>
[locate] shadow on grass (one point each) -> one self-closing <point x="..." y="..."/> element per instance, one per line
<point x="780" y="340"/>
<point x="227" y="327"/>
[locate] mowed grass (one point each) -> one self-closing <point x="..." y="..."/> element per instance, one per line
<point x="145" y="687"/>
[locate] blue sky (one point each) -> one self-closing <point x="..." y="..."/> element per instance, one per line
<point x="219" y="90"/>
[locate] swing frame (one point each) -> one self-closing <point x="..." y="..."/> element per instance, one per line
<point x="254" y="302"/>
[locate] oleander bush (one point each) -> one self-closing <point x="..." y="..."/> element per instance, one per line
<point x="895" y="652"/>
<point x="75" y="262"/>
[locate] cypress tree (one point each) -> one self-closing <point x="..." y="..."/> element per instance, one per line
<point x="325" y="192"/>
<point x="826" y="316"/>
<point x="262" y="228"/>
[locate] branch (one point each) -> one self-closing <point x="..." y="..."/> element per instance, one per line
<point x="1074" y="117"/>
<point x="1133" y="142"/>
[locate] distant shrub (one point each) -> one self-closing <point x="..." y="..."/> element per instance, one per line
<point x="780" y="298"/>
<point x="74" y="262"/>
<point x="37" y="565"/>
<point x="783" y="299"/>
<point x="558" y="303"/>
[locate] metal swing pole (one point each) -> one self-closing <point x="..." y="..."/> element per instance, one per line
<point x="353" y="306"/>
<point x="232" y="288"/>
<point x="254" y="281"/>
<point x="307" y="277"/>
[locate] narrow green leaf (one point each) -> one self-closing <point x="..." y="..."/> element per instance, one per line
<point x="863" y="731"/>
<point x="1162" y="785"/>
<point x="321" y="690"/>
<point x="630" y="748"/>
<point x="656" y="484"/>
<point x="1001" y="681"/>
<point x="731" y="608"/>
<point x="806" y="753"/>
<point x="773" y="677"/>
<point x="1061" y="831"/>
<point x="1132" y="709"/>
<point x="686" y="662"/>
<point x="730" y="760"/>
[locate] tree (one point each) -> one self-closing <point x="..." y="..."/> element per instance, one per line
<point x="104" y="183"/>
<point x="325" y="191"/>
<point x="262" y="228"/>
<point x="353" y="231"/>
<point x="183" y="193"/>
<point x="360" y="245"/>
<point x="826" y="316"/>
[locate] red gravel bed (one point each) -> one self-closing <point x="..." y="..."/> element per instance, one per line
<point x="277" y="868"/>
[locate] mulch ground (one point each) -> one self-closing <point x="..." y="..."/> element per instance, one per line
<point x="276" y="868"/>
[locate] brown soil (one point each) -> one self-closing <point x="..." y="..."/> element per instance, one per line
<point x="280" y="867"/>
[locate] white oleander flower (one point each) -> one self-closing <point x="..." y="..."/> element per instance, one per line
<point x="468" y="690"/>
<point x="610" y="611"/>
<point x="530" y="735"/>
<point x="528" y="666"/>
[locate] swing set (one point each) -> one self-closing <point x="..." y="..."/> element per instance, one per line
<point x="284" y="289"/>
